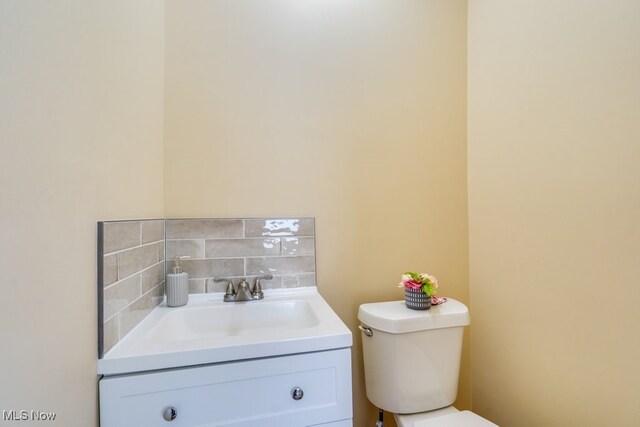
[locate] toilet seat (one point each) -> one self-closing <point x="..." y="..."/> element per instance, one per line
<point x="456" y="419"/>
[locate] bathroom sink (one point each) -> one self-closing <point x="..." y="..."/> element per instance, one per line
<point x="229" y="319"/>
<point x="208" y="330"/>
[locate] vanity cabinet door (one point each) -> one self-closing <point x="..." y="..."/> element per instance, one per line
<point x="300" y="390"/>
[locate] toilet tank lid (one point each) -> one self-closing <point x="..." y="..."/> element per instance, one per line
<point x="394" y="316"/>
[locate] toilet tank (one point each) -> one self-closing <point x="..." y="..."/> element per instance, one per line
<point x="412" y="358"/>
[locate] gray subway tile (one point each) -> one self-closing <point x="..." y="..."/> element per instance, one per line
<point x="275" y="283"/>
<point x="279" y="227"/>
<point x="137" y="259"/>
<point x="161" y="251"/>
<point x="110" y="333"/>
<point x="281" y="265"/>
<point x="152" y="276"/>
<point x="152" y="230"/>
<point x="109" y="269"/>
<point x="119" y="295"/>
<point x="210" y="286"/>
<point x="191" y="248"/>
<point x="202" y="268"/>
<point x="299" y="280"/>
<point x="298" y="246"/>
<point x="134" y="313"/>
<point x="217" y="248"/>
<point x="120" y="235"/>
<point x="204" y="228"/>
<point x="196" y="286"/>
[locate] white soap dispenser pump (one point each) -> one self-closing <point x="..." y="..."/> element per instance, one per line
<point x="177" y="285"/>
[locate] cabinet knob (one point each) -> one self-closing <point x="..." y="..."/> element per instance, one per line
<point x="169" y="413"/>
<point x="297" y="393"/>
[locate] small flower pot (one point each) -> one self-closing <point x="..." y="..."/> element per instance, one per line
<point x="416" y="299"/>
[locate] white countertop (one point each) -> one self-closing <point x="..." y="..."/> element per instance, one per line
<point x="208" y="330"/>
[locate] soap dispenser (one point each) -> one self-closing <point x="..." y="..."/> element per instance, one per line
<point x="177" y="285"/>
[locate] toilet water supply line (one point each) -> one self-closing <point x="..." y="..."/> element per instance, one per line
<point x="380" y="422"/>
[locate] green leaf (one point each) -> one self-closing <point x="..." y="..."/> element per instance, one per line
<point x="428" y="288"/>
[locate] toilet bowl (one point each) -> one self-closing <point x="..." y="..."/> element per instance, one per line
<point x="412" y="362"/>
<point x="446" y="417"/>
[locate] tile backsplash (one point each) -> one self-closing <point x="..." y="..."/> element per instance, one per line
<point x="132" y="266"/>
<point x="240" y="248"/>
<point x="131" y="271"/>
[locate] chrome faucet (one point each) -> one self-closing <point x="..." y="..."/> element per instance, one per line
<point x="243" y="292"/>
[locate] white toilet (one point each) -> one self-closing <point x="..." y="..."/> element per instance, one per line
<point x="412" y="362"/>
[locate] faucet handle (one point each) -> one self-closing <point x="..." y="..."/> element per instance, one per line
<point x="230" y="289"/>
<point x="257" y="287"/>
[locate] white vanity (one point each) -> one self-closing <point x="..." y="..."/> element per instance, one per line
<point x="282" y="361"/>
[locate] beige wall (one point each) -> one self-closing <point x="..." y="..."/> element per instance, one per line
<point x="554" y="211"/>
<point x="355" y="113"/>
<point x="352" y="112"/>
<point x="81" y="137"/>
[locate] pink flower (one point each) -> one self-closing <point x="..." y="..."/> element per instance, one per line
<point x="409" y="282"/>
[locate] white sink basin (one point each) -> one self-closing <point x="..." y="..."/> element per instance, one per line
<point x="217" y="320"/>
<point x="208" y="330"/>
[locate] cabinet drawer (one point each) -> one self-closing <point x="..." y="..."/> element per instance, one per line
<point x="249" y="393"/>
